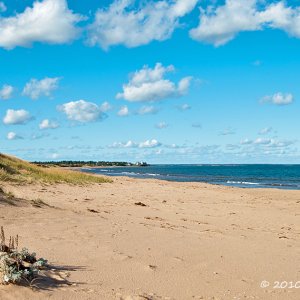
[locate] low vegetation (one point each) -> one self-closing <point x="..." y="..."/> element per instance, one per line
<point x="17" y="266"/>
<point x="15" y="170"/>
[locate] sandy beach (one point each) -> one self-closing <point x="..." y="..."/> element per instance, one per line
<point x="151" y="239"/>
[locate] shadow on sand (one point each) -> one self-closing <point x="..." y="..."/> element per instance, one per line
<point x="54" y="277"/>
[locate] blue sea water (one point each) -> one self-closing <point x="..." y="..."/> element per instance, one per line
<point x="255" y="176"/>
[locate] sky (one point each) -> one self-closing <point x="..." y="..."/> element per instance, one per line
<point x="182" y="81"/>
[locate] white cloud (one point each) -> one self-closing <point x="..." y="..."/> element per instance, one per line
<point x="246" y="142"/>
<point x="161" y="125"/>
<point x="54" y="156"/>
<point x="174" y="146"/>
<point x="47" y="124"/>
<point x="150" y="85"/>
<point x="261" y="141"/>
<point x="150" y="144"/>
<point x="232" y="147"/>
<point x="2" y="7"/>
<point x="48" y="21"/>
<point x="37" y="88"/>
<point x="227" y="131"/>
<point x="219" y="25"/>
<point x="82" y="111"/>
<point x="14" y="117"/>
<point x="13" y="136"/>
<point x="278" y="99"/>
<point x="124" y="24"/>
<point x="266" y="130"/>
<point x="267" y="143"/>
<point x="6" y="92"/>
<point x="124" y="111"/>
<point x="281" y="143"/>
<point x="184" y="107"/>
<point x="129" y="144"/>
<point x="146" y="110"/>
<point x="105" y="106"/>
<point x="273" y="143"/>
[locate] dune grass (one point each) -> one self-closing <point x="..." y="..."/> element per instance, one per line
<point x="16" y="170"/>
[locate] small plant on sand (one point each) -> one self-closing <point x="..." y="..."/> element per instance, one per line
<point x="16" y="265"/>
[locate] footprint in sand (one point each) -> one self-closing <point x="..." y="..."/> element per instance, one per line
<point x="144" y="296"/>
<point x="119" y="256"/>
<point x="155" y="218"/>
<point x="178" y="258"/>
<point x="152" y="267"/>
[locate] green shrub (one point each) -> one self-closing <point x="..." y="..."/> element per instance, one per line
<point x="15" y="265"/>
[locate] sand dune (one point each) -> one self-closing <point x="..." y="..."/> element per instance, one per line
<point x="188" y="240"/>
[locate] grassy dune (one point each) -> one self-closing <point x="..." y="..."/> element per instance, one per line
<point x="16" y="170"/>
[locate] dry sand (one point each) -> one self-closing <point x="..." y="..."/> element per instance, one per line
<point x="190" y="241"/>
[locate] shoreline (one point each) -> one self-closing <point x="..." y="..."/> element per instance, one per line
<point x="246" y="186"/>
<point x="201" y="184"/>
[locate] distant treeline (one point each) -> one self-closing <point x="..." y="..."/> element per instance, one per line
<point x="71" y="163"/>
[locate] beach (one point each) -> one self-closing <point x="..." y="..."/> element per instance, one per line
<point x="152" y="239"/>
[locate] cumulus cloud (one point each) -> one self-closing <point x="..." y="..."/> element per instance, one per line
<point x="47" y="124"/>
<point x="48" y="21"/>
<point x="2" y="7"/>
<point x="150" y="144"/>
<point x="105" y="106"/>
<point x="15" y="117"/>
<point x="278" y="99"/>
<point x="151" y="85"/>
<point x="13" y="136"/>
<point x="161" y="125"/>
<point x="261" y="141"/>
<point x="220" y="24"/>
<point x="6" y="92"/>
<point x="146" y="110"/>
<point x="82" y="111"/>
<point x="37" y="88"/>
<point x="130" y="144"/>
<point x="124" y="111"/>
<point x="123" y="23"/>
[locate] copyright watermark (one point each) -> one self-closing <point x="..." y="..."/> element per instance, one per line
<point x="280" y="284"/>
<point x="264" y="284"/>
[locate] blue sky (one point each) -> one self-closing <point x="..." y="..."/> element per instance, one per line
<point x="161" y="81"/>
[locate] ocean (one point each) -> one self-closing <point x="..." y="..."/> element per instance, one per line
<point x="253" y="176"/>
